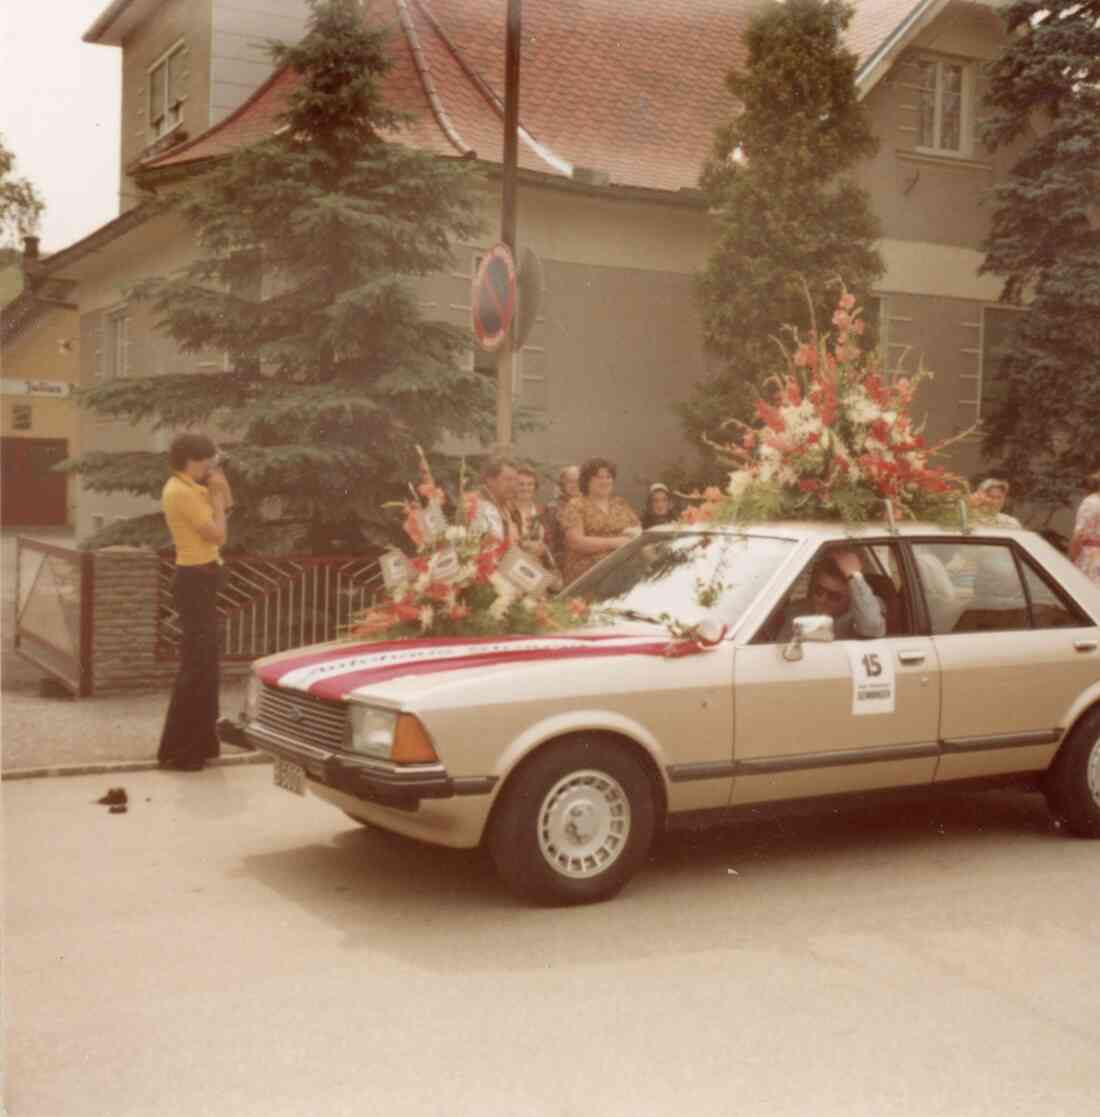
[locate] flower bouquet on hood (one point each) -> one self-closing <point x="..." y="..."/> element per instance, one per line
<point x="461" y="579"/>
<point x="835" y="440"/>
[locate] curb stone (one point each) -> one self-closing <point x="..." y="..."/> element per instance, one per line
<point x="102" y="767"/>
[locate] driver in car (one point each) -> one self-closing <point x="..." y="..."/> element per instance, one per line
<point x="839" y="589"/>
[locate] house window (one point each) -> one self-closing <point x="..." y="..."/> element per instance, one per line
<point x="118" y="345"/>
<point x="167" y="91"/>
<point x="21" y="417"/>
<point x="1000" y="325"/>
<point x="944" y="102"/>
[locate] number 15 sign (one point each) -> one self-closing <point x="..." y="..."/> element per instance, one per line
<point x="873" y="683"/>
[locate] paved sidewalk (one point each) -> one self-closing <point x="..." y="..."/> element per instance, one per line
<point x="54" y="736"/>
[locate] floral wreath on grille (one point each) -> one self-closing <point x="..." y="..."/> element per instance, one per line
<point x="462" y="579"/>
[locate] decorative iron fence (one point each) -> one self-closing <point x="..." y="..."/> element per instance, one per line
<point x="54" y="599"/>
<point x="269" y="604"/>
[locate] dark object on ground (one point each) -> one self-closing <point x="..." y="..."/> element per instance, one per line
<point x="118" y="808"/>
<point x="114" y="798"/>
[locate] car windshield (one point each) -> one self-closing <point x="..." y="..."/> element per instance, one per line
<point x="689" y="575"/>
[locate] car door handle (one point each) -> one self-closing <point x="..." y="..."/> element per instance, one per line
<point x="1085" y="645"/>
<point x="910" y="657"/>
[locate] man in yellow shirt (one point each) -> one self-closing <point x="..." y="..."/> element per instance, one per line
<point x="195" y="501"/>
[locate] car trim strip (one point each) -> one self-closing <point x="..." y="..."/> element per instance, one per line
<point x="769" y="765"/>
<point x="1002" y="741"/>
<point x="702" y="770"/>
<point x="473" y="785"/>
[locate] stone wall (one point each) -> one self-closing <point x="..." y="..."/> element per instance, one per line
<point x="124" y="632"/>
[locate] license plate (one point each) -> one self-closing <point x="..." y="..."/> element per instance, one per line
<point x="289" y="776"/>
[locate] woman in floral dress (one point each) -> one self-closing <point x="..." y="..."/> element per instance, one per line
<point x="596" y="522"/>
<point x="1084" y="547"/>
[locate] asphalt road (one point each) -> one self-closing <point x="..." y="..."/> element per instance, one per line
<point x="225" y="948"/>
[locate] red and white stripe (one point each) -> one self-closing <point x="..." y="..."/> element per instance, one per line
<point x="336" y="673"/>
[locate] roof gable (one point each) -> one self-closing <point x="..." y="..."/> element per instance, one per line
<point x="630" y="88"/>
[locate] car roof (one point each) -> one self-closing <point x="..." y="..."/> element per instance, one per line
<point x="825" y="531"/>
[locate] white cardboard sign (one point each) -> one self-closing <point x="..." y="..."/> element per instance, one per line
<point x="874" y="686"/>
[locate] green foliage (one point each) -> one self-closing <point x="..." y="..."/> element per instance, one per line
<point x="309" y="244"/>
<point x="1044" y="242"/>
<point x="20" y="205"/>
<point x="775" y="182"/>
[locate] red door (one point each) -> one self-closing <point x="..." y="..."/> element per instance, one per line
<point x="30" y="494"/>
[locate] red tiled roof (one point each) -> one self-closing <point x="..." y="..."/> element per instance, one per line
<point x="633" y="88"/>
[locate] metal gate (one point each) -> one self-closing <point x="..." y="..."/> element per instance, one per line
<point x="53" y="611"/>
<point x="268" y="605"/>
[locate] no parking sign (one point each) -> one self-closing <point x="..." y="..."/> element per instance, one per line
<point x="493" y="297"/>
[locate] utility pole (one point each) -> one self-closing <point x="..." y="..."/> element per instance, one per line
<point x="506" y="353"/>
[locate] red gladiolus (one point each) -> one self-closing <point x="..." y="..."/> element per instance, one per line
<point x="577" y="607"/>
<point x="770" y="416"/>
<point x="405" y="612"/>
<point x="412" y="525"/>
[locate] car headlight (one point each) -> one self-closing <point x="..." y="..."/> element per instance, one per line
<point x="252" y="698"/>
<point x="388" y="735"/>
<point x="372" y="731"/>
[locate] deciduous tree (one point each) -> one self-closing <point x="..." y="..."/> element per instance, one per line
<point x="1044" y="241"/>
<point x="20" y="204"/>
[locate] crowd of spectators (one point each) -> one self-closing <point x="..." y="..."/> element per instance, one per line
<point x="585" y="520"/>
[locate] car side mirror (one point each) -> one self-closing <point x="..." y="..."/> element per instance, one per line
<point x="815" y="629"/>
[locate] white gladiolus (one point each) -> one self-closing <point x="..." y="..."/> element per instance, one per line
<point x="500" y="607"/>
<point x="739" y="481"/>
<point x="456" y="533"/>
<point x="427" y="615"/>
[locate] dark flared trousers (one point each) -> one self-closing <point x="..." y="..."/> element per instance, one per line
<point x="190" y="731"/>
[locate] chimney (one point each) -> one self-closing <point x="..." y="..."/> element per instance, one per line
<point x="30" y="254"/>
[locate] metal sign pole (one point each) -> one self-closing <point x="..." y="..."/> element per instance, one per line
<point x="505" y="356"/>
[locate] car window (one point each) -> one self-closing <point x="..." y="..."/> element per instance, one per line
<point x="971" y="586"/>
<point x="883" y="570"/>
<point x="688" y="575"/>
<point x="1048" y="608"/>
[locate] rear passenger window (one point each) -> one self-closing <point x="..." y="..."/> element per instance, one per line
<point x="1048" y="609"/>
<point x="977" y="587"/>
<point x="971" y="587"/>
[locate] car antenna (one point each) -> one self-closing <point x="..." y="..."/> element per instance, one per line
<point x="964" y="517"/>
<point x="890" y="523"/>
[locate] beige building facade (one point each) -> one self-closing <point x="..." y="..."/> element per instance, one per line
<point x="608" y="205"/>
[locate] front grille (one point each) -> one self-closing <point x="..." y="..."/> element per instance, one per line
<point x="301" y="717"/>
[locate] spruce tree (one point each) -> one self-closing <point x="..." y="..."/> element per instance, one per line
<point x="786" y="212"/>
<point x="1044" y="240"/>
<point x="335" y="375"/>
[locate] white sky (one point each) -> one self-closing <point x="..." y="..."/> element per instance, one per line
<point x="59" y="112"/>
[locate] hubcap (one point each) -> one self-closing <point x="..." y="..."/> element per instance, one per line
<point x="584" y="823"/>
<point x="1092" y="772"/>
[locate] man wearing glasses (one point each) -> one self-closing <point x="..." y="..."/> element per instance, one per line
<point x="838" y="588"/>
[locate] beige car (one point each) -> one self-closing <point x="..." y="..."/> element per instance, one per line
<point x="826" y="662"/>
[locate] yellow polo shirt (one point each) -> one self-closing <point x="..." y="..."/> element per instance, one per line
<point x="187" y="504"/>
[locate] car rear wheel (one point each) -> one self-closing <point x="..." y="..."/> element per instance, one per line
<point x="1072" y="785"/>
<point x="574" y="824"/>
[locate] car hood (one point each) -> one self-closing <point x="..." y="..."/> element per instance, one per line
<point x="414" y="672"/>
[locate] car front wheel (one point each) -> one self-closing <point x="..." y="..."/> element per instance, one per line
<point x="1072" y="785"/>
<point x="574" y="824"/>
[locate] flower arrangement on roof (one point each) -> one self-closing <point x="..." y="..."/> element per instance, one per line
<point x="461" y="579"/>
<point x="835" y="440"/>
